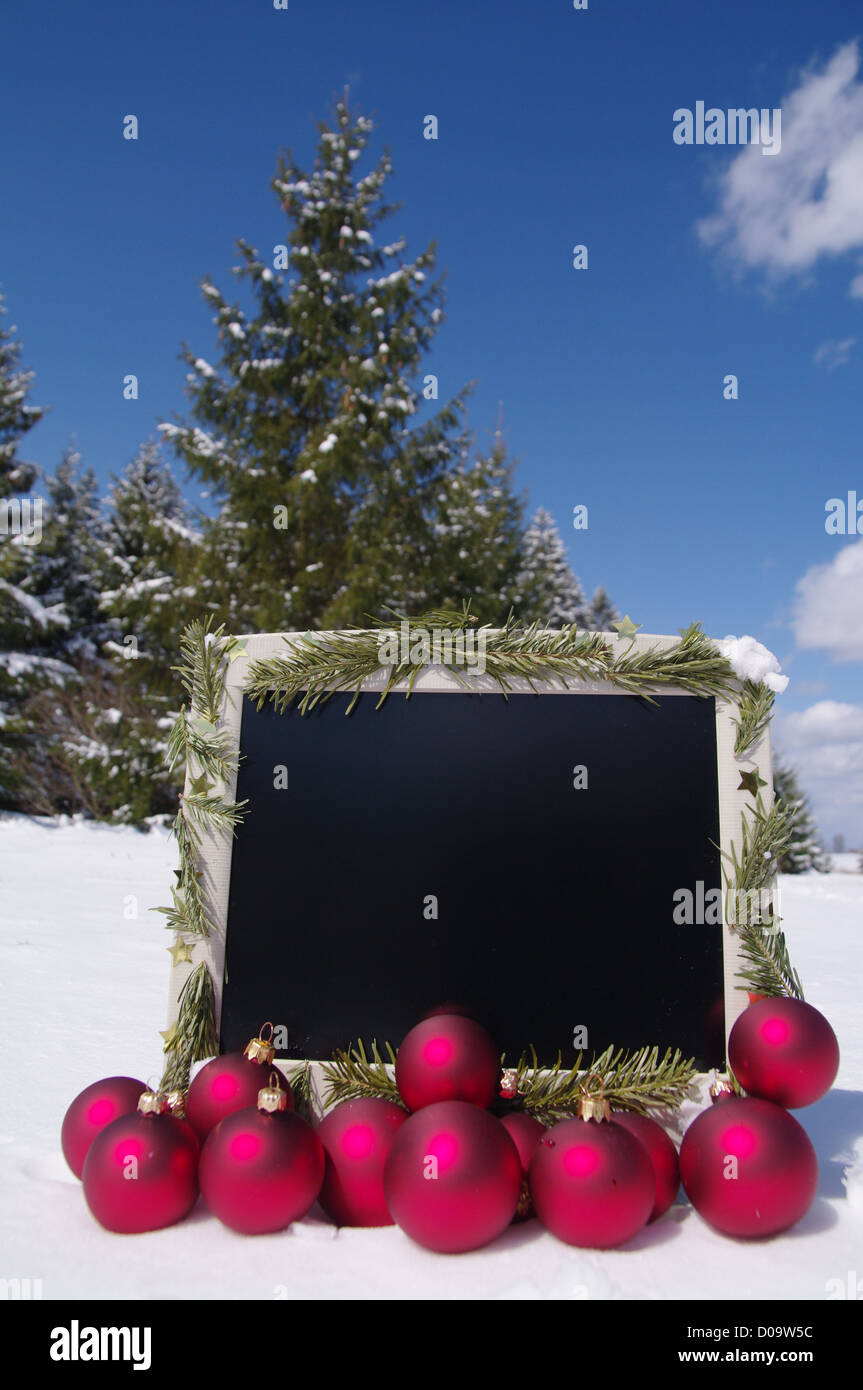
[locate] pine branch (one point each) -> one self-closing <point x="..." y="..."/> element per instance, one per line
<point x="765" y="836"/>
<point x="319" y="665"/>
<point x="769" y="968"/>
<point x="639" y="1081"/>
<point x="201" y="669"/>
<point x="352" y="1075"/>
<point x="755" y="708"/>
<point x="194" y="1036"/>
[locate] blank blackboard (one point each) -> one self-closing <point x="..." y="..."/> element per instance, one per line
<point x="554" y="904"/>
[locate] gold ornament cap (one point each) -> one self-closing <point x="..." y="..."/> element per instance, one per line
<point x="175" y="1104"/>
<point x="271" y="1098"/>
<point x="260" y="1049"/>
<point x="720" y="1088"/>
<point x="508" y="1083"/>
<point x="152" y="1102"/>
<point x="592" y="1104"/>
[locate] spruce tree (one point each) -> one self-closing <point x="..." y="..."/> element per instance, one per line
<point x="549" y="591"/>
<point x="602" y="612"/>
<point x="804" y="849"/>
<point x="33" y="624"/>
<point x="329" y="466"/>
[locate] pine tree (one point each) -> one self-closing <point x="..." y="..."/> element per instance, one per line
<point x="17" y="416"/>
<point x="602" y="612"/>
<point x="478" y="535"/>
<point x="150" y="551"/>
<point x="328" y="469"/>
<point x="33" y="624"/>
<point x="549" y="591"/>
<point x="101" y="742"/>
<point x="804" y="850"/>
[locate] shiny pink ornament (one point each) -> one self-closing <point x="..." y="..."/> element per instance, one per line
<point x="525" y="1132"/>
<point x="592" y="1183"/>
<point x="140" y="1173"/>
<point x="785" y="1051"/>
<point x="453" y="1177"/>
<point x="661" y="1152"/>
<point x="748" y="1167"/>
<point x="260" y="1171"/>
<point x="227" y="1084"/>
<point x="357" y="1137"/>
<point x="447" y="1057"/>
<point x="97" y="1106"/>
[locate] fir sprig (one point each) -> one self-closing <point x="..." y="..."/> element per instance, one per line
<point x="755" y="708"/>
<point x="764" y="838"/>
<point x="641" y="1081"/>
<point x="193" y="1036"/>
<point x="319" y="665"/>
<point x="353" y="1075"/>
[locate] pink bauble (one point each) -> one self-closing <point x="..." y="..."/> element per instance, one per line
<point x="785" y="1051"/>
<point x="140" y="1173"/>
<point x="453" y="1177"/>
<point x="97" y="1106"/>
<point x="662" y="1154"/>
<point x="592" y="1183"/>
<point x="447" y="1057"/>
<point x="357" y="1137"/>
<point x="261" y="1171"/>
<point x="748" y="1167"/>
<point x="525" y="1132"/>
<point x="227" y="1084"/>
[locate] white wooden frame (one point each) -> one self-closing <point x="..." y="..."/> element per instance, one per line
<point x="216" y="846"/>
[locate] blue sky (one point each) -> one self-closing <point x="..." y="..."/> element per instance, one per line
<point x="555" y="129"/>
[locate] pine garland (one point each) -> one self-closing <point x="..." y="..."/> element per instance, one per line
<point x="317" y="666"/>
<point x="639" y="1080"/>
<point x="353" y="1075"/>
<point x="320" y="665"/>
<point x="755" y="708"/>
<point x="765" y="836"/>
<point x="200" y="748"/>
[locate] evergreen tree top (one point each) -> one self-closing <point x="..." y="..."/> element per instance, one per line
<point x="17" y="416"/>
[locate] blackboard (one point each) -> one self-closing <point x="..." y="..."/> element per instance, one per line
<point x="554" y="904"/>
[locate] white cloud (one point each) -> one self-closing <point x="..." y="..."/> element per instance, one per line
<point x="824" y="745"/>
<point x="835" y="352"/>
<point x="782" y="215"/>
<point x="828" y="612"/>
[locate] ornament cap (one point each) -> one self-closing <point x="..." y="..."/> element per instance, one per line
<point x="271" y="1098"/>
<point x="152" y="1103"/>
<point x="175" y="1104"/>
<point x="508" y="1083"/>
<point x="261" y="1049"/>
<point x="592" y="1104"/>
<point x="720" y="1088"/>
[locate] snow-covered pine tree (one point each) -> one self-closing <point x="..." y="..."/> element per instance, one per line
<point x="478" y="534"/>
<point x="33" y="626"/>
<point x="804" y="849"/>
<point x="101" y="741"/>
<point x="312" y="433"/>
<point x="549" y="591"/>
<point x="147" y="579"/>
<point x="602" y="612"/>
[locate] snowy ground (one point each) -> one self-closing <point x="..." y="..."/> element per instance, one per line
<point x="84" y="989"/>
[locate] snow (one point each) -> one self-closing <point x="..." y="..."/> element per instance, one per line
<point x="85" y="965"/>
<point x="43" y="616"/>
<point x="236" y="330"/>
<point x="753" y="662"/>
<point x="308" y="475"/>
<point x="203" y="367"/>
<point x="328" y="444"/>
